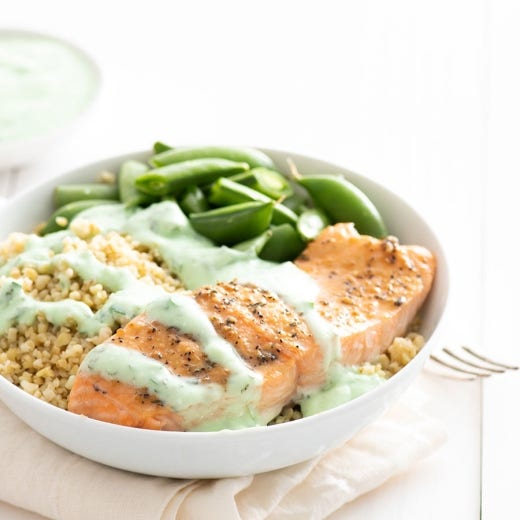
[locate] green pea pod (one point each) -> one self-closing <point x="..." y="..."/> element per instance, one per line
<point x="255" y="244"/>
<point x="61" y="218"/>
<point x="251" y="156"/>
<point x="297" y="203"/>
<point x="311" y="223"/>
<point x="128" y="193"/>
<point x="344" y="202"/>
<point x="224" y="192"/>
<point x="283" y="245"/>
<point x="173" y="178"/>
<point x="269" y="182"/>
<point x="65" y="193"/>
<point x="159" y="147"/>
<point x="233" y="224"/>
<point x="193" y="201"/>
<point x="246" y="178"/>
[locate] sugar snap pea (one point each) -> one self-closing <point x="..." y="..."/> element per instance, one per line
<point x="297" y="202"/>
<point x="269" y="182"/>
<point x="173" y="178"/>
<point x="256" y="243"/>
<point x="65" y="193"/>
<point x="128" y="193"/>
<point x="61" y="218"/>
<point x="224" y="192"/>
<point x="233" y="224"/>
<point x="193" y="201"/>
<point x="251" y="156"/>
<point x="277" y="244"/>
<point x="311" y="223"/>
<point x="284" y="244"/>
<point x="342" y="201"/>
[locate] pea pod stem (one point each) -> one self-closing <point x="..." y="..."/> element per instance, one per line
<point x="160" y="147"/>
<point x="173" y="178"/>
<point x="293" y="170"/>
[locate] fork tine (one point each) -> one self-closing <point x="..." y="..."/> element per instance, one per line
<point x="471" y="364"/>
<point x="457" y="368"/>
<point x="490" y="361"/>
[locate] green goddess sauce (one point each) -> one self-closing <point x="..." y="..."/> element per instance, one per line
<point x="196" y="261"/>
<point x="183" y="394"/>
<point x="44" y="84"/>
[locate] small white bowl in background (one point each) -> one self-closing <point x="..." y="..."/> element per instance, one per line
<point x="46" y="85"/>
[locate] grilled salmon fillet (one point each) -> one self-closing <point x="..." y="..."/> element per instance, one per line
<point x="275" y="342"/>
<point x="369" y="289"/>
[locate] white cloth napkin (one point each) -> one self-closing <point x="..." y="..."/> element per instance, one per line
<point x="42" y="477"/>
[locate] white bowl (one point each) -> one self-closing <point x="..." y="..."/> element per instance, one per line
<point x="238" y="452"/>
<point x="20" y="151"/>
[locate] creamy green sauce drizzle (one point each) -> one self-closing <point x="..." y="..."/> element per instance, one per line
<point x="196" y="261"/>
<point x="44" y="83"/>
<point x="163" y="227"/>
<point x="182" y="394"/>
<point x="184" y="314"/>
<point x="17" y="307"/>
<point x="186" y="395"/>
<point x="129" y="297"/>
<point x="343" y="384"/>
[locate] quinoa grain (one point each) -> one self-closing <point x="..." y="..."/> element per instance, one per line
<point x="42" y="358"/>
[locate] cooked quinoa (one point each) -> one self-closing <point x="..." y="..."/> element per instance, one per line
<point x="43" y="358"/>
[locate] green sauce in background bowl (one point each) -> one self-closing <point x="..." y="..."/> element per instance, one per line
<point x="46" y="83"/>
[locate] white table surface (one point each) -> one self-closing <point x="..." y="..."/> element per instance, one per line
<point x="422" y="96"/>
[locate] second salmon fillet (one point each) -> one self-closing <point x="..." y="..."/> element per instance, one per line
<point x="370" y="289"/>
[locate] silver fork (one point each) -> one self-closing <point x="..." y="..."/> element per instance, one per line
<point x="468" y="364"/>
